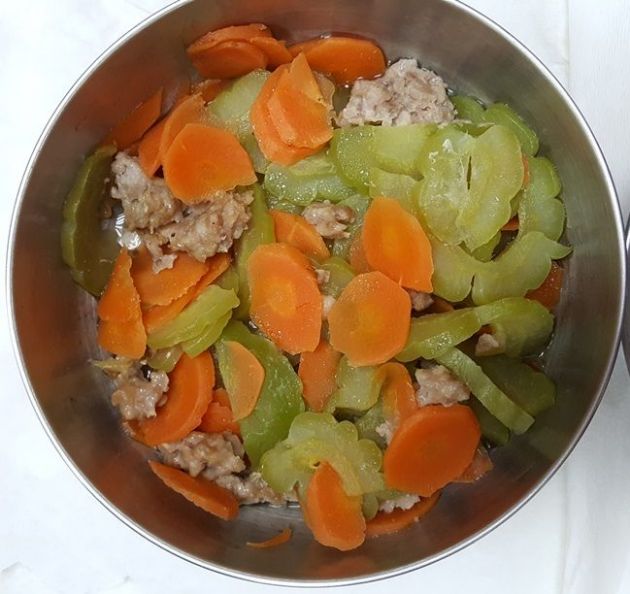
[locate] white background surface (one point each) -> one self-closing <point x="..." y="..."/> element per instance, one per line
<point x="574" y="537"/>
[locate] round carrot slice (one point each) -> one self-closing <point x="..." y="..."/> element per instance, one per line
<point x="395" y="243"/>
<point x="230" y="33"/>
<point x="276" y="51"/>
<point x="431" y="448"/>
<point x="228" y="59"/>
<point x="390" y="523"/>
<point x="285" y="300"/>
<point x="399" y="397"/>
<point x="298" y="232"/>
<point x="203" y="160"/>
<point x="369" y="323"/>
<point x="317" y="371"/>
<point x="190" y="110"/>
<point x="244" y="379"/>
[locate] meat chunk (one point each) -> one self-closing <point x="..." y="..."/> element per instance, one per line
<point x="488" y="344"/>
<point x="136" y="397"/>
<point x="420" y="300"/>
<point x="252" y="488"/>
<point x="437" y="385"/>
<point x="213" y="454"/>
<point x="405" y="94"/>
<point x="329" y="220"/>
<point x="401" y="502"/>
<point x="205" y="228"/>
<point x="146" y="202"/>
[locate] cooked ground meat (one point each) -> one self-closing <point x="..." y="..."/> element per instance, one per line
<point x="405" y="94"/>
<point x="327" y="303"/>
<point x="205" y="228"/>
<point x="252" y="489"/>
<point x="214" y="454"/>
<point x="419" y="300"/>
<point x="323" y="276"/>
<point x="489" y="344"/>
<point x="437" y="385"/>
<point x="146" y="202"/>
<point x="402" y="502"/>
<point x="329" y="220"/>
<point x="137" y="397"/>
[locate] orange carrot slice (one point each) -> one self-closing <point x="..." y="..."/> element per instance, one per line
<point x="210" y="88"/>
<point x="203" y="160"/>
<point x="400" y="519"/>
<point x="272" y="146"/>
<point x="356" y="255"/>
<point x="125" y="339"/>
<point x="548" y="294"/>
<point x="276" y="51"/>
<point x="245" y="379"/>
<point x="369" y="323"/>
<point x="511" y="225"/>
<point x="399" y="397"/>
<point x="317" y="372"/>
<point x="189" y="394"/>
<point x="346" y="59"/>
<point x="133" y="126"/>
<point x="298" y="232"/>
<point x="189" y="110"/>
<point x="120" y="301"/>
<point x="203" y="493"/>
<point x="149" y="149"/>
<point x="395" y="243"/>
<point x="284" y="536"/>
<point x="219" y="418"/>
<point x="228" y="59"/>
<point x="169" y="284"/>
<point x="231" y="33"/>
<point x="334" y="517"/>
<point x="431" y="448"/>
<point x="285" y="300"/>
<point x="297" y="107"/>
<point x="481" y="464"/>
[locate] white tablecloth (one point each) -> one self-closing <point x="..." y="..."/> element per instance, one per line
<point x="573" y="538"/>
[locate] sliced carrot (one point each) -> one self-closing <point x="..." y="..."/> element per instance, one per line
<point x="284" y="536"/>
<point x="132" y="127"/>
<point x="210" y="88"/>
<point x="398" y="395"/>
<point x="400" y="519"/>
<point x="188" y="397"/>
<point x="370" y="320"/>
<point x="244" y="377"/>
<point x="169" y="284"/>
<point x="272" y="146"/>
<point x="511" y="225"/>
<point x="317" y="372"/>
<point x="189" y="110"/>
<point x="125" y="339"/>
<point x="229" y="59"/>
<point x="334" y="517"/>
<point x="298" y="232"/>
<point x="230" y="33"/>
<point x="276" y="51"/>
<point x="120" y="301"/>
<point x="395" y="243"/>
<point x="285" y="300"/>
<point x="548" y="294"/>
<point x="481" y="464"/>
<point x="356" y="255"/>
<point x="218" y="418"/>
<point x="297" y="107"/>
<point x="158" y="315"/>
<point x="149" y="149"/>
<point x="346" y="59"/>
<point x="431" y="448"/>
<point x="439" y="305"/>
<point x="203" y="160"/>
<point x="203" y="493"/>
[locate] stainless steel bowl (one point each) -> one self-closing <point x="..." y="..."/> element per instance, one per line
<point x="54" y="322"/>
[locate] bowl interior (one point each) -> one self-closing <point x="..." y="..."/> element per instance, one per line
<point x="55" y="321"/>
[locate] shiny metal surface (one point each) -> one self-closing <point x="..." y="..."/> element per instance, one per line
<point x="54" y="322"/>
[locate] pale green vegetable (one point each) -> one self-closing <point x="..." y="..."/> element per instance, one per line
<point x="369" y="506"/>
<point x="496" y="176"/>
<point x="229" y="279"/>
<point x="468" y="108"/>
<point x="499" y="113"/>
<point x="539" y="209"/>
<point x="491" y="428"/>
<point x="317" y="437"/>
<point x="454" y="270"/>
<point x="212" y="332"/>
<point x="203" y="314"/>
<point x="444" y="162"/>
<point x="165" y="359"/>
<point x="359" y="204"/>
<point x="401" y="187"/>
<point x="340" y="274"/>
<point x="358" y="388"/>
<point x="350" y="150"/>
<point x="498" y="404"/>
<point x="366" y="424"/>
<point x="312" y="179"/>
<point x="259" y="161"/>
<point x="396" y="148"/>
<point x="432" y="335"/>
<point x="485" y="252"/>
<point x="521" y="267"/>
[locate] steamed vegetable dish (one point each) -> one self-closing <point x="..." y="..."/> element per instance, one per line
<point x="323" y="280"/>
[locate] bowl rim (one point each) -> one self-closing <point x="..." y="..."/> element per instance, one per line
<point x="372" y="577"/>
